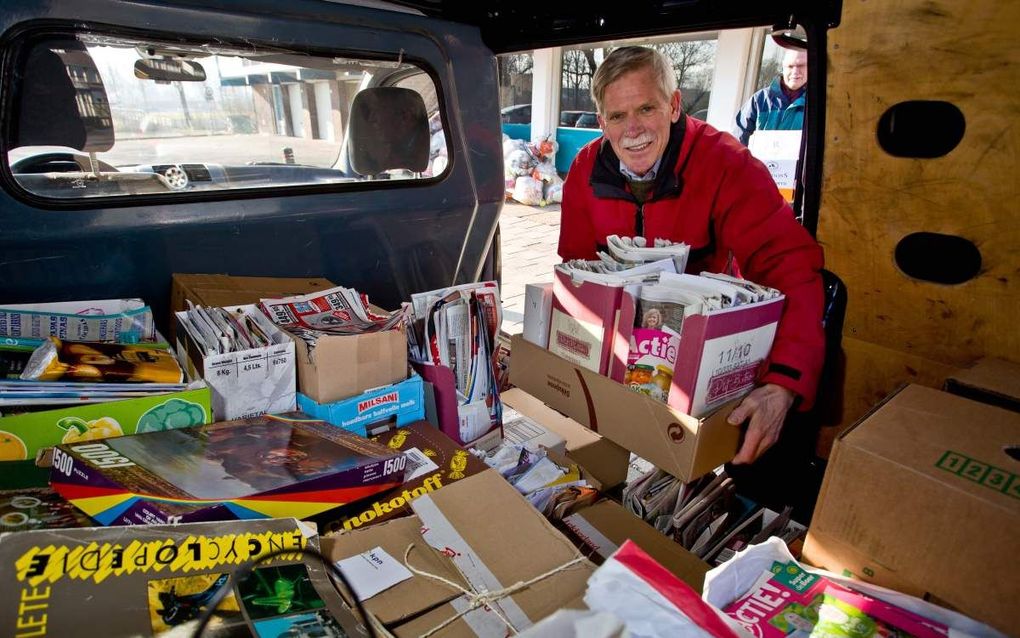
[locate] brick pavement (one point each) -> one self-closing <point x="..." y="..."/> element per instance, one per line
<point x="529" y="235"/>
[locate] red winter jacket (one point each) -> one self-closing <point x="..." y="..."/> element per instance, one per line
<point x="712" y="194"/>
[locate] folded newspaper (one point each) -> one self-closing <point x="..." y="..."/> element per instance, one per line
<point x="336" y="311"/>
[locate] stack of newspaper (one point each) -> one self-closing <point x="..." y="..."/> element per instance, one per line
<point x="629" y="259"/>
<point x="458" y="328"/>
<point x="219" y="330"/>
<point x="706" y="516"/>
<point x="336" y="311"/>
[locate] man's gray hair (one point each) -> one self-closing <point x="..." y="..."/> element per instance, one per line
<point x="627" y="59"/>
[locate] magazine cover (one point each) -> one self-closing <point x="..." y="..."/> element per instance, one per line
<point x="259" y="467"/>
<point x="159" y="580"/>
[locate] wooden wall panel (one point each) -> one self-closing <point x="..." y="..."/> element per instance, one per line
<point x="884" y="53"/>
<point x="872" y="372"/>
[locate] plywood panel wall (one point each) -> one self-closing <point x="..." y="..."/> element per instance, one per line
<point x="890" y="51"/>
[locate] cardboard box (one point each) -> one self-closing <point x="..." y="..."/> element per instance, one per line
<point x="372" y="412"/>
<point x="157" y="580"/>
<point x="603" y="527"/>
<point x="992" y="381"/>
<point x="433" y="460"/>
<point x="606" y="461"/>
<point x="219" y="291"/>
<point x="479" y="531"/>
<point x="780" y="152"/>
<point x="245" y="383"/>
<point x="23" y="436"/>
<point x="262" y="467"/>
<point x="537" y="311"/>
<point x="677" y="443"/>
<point x="340" y="367"/>
<point x="446" y="415"/>
<point x="922" y="495"/>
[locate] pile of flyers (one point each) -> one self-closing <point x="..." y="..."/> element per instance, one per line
<point x="458" y="328"/>
<point x="706" y="516"/>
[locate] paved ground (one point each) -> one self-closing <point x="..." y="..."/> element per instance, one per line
<point x="529" y="235"/>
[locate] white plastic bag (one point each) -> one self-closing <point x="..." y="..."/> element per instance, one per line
<point x="528" y="190"/>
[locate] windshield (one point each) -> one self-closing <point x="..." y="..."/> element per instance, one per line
<point x="175" y="117"/>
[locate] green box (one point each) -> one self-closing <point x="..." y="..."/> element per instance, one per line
<point x="23" y="435"/>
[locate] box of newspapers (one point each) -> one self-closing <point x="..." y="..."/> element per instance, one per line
<point x="344" y="346"/>
<point x="691" y="341"/>
<point x="245" y="360"/>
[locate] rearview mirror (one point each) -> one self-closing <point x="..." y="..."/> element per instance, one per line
<point x="790" y="35"/>
<point x="169" y="70"/>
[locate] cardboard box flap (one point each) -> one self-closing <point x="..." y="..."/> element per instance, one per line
<point x="510" y="542"/>
<point x="990" y="380"/>
<point x="667" y="438"/>
<point x="932" y="432"/>
<point x="604" y="460"/>
<point x="606" y="525"/>
<point x="407" y="598"/>
<point x="227" y="290"/>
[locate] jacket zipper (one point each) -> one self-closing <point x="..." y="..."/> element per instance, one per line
<point x="639" y="220"/>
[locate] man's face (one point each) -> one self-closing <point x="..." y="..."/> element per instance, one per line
<point x="795" y="69"/>
<point x="636" y="119"/>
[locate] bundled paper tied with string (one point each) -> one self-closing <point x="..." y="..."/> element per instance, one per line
<point x="485" y="563"/>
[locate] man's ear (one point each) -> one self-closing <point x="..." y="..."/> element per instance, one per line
<point x="602" y="122"/>
<point x="674" y="106"/>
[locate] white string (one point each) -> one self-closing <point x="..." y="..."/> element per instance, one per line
<point x="484" y="598"/>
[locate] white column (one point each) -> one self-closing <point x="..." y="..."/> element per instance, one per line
<point x="546" y="80"/>
<point x="297" y="109"/>
<point x="324" y="110"/>
<point x="732" y="61"/>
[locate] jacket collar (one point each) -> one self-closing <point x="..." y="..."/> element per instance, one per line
<point x="607" y="181"/>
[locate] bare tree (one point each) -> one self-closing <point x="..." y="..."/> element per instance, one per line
<point x="687" y="57"/>
<point x="769" y="69"/>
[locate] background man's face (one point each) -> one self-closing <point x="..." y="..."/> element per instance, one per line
<point x="795" y="69"/>
<point x="636" y="119"/>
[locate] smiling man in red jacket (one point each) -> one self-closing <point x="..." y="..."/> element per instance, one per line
<point x="658" y="173"/>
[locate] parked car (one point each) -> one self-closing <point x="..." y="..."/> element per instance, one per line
<point x="516" y="114"/>
<point x="588" y="119"/>
<point x="569" y="118"/>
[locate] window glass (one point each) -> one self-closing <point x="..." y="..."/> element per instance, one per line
<point x="515" y="75"/>
<point x="106" y="115"/>
<point x="692" y="58"/>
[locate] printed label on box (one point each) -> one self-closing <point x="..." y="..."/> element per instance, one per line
<point x="575" y="340"/>
<point x="729" y="366"/>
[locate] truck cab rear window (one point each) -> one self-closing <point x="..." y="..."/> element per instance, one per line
<point x="103" y="115"/>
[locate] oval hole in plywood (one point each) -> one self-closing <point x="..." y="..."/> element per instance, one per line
<point x="921" y="129"/>
<point x="938" y="258"/>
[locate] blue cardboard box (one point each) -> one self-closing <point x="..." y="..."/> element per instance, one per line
<point x="405" y="400"/>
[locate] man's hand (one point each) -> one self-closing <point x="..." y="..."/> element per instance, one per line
<point x="766" y="407"/>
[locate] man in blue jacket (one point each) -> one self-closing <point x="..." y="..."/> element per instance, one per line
<point x="779" y="106"/>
